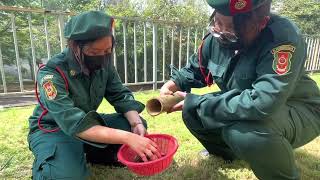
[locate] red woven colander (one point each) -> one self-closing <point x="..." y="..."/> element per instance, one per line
<point x="167" y="145"/>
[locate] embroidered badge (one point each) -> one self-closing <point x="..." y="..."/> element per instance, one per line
<point x="282" y="59"/>
<point x="72" y="72"/>
<point x="51" y="91"/>
<point x="47" y="77"/>
<point x="240" y="6"/>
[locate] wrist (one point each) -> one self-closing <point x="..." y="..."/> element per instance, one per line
<point x="126" y="138"/>
<point x="135" y="123"/>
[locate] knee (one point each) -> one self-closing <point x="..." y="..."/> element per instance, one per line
<point x="47" y="170"/>
<point x="60" y="161"/>
<point x="246" y="142"/>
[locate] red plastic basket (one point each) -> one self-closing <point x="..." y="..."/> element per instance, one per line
<point x="167" y="145"/>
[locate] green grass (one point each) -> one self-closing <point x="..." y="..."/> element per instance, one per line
<point x="16" y="160"/>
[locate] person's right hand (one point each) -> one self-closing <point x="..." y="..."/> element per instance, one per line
<point x="168" y="88"/>
<point x="144" y="147"/>
<point x="165" y="91"/>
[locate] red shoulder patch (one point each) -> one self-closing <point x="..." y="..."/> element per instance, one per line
<point x="50" y="89"/>
<point x="282" y="59"/>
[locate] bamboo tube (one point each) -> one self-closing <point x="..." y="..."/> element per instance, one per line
<point x="158" y="105"/>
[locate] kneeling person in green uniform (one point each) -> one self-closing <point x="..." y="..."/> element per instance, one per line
<point x="65" y="129"/>
<point x="267" y="105"/>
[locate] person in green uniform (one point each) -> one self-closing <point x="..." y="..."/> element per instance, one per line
<point x="65" y="129"/>
<point x="267" y="105"/>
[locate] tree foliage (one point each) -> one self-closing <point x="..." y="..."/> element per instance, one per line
<point x="305" y="13"/>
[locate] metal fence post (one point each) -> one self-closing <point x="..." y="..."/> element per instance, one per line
<point x="145" y="52"/>
<point x="163" y="53"/>
<point x="45" y="21"/>
<point x="2" y="73"/>
<point x="195" y="41"/>
<point x="125" y="52"/>
<point x="135" y="53"/>
<point x="17" y="51"/>
<point x="32" y="48"/>
<point x="61" y="28"/>
<point x="155" y="57"/>
<point x="188" y="44"/>
<point x="172" y="49"/>
<point x="180" y="48"/>
<point x="114" y="49"/>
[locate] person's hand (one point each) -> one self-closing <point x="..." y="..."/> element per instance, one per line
<point x="178" y="106"/>
<point x="165" y="91"/>
<point x="139" y="129"/>
<point x="168" y="88"/>
<point x="144" y="147"/>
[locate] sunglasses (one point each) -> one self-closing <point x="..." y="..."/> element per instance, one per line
<point x="226" y="36"/>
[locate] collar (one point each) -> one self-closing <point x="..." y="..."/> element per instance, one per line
<point x="74" y="67"/>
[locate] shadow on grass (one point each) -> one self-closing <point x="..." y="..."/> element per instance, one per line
<point x="208" y="168"/>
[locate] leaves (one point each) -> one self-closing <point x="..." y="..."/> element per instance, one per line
<point x="305" y="13"/>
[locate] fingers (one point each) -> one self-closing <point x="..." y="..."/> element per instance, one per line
<point x="155" y="151"/>
<point x="150" y="154"/>
<point x="143" y="157"/>
<point x="180" y="93"/>
<point x="177" y="107"/>
<point x="165" y="91"/>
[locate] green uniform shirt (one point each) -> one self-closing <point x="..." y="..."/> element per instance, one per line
<point x="254" y="82"/>
<point x="74" y="111"/>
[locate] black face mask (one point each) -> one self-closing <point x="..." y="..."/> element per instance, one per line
<point x="96" y="62"/>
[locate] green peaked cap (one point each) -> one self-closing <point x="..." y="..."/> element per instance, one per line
<point x="89" y="25"/>
<point x="233" y="7"/>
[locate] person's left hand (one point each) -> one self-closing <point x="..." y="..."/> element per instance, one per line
<point x="139" y="129"/>
<point x="179" y="106"/>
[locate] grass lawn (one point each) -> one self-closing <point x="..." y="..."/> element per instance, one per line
<point x="16" y="160"/>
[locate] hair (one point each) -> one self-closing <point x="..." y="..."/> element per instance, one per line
<point x="76" y="47"/>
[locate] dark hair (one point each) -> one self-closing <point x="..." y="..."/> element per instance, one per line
<point x="82" y="43"/>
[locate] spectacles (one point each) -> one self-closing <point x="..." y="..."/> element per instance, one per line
<point x="222" y="35"/>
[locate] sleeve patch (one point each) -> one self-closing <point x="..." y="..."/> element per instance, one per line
<point x="282" y="59"/>
<point x="50" y="90"/>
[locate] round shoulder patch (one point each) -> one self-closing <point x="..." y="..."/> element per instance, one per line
<point x="282" y="59"/>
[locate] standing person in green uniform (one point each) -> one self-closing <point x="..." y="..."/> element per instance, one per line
<point x="65" y="129"/>
<point x="267" y="105"/>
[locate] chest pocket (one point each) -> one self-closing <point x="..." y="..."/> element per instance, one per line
<point x="217" y="72"/>
<point x="244" y="76"/>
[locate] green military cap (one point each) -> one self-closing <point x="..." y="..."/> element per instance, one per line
<point x="89" y="26"/>
<point x="233" y="7"/>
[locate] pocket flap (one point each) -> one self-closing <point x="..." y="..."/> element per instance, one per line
<point x="215" y="69"/>
<point x="45" y="155"/>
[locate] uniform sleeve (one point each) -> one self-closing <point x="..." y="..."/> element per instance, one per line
<point x="190" y="76"/>
<point x="119" y="96"/>
<point x="70" y="119"/>
<point x="278" y="69"/>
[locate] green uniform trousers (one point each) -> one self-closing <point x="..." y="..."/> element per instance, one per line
<point x="58" y="156"/>
<point x="267" y="145"/>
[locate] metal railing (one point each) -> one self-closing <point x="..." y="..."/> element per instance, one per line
<point x="171" y="43"/>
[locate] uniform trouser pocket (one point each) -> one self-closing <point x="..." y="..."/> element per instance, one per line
<point x="58" y="156"/>
<point x="43" y="162"/>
